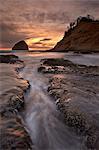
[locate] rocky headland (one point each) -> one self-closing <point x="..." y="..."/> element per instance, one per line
<point x="13" y="134"/>
<point x="82" y="36"/>
<point x="75" y="90"/>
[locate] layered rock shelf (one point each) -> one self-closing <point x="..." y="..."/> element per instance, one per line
<point x="13" y="134"/>
<point x="75" y="89"/>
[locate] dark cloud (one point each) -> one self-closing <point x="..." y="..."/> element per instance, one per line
<point x="37" y="43"/>
<point x="39" y="46"/>
<point x="46" y="39"/>
<point x="44" y="17"/>
<point x="9" y="34"/>
<point x="91" y="3"/>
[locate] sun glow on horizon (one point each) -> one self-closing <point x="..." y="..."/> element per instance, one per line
<point x="38" y="43"/>
<point x="42" y="43"/>
<point x="33" y="40"/>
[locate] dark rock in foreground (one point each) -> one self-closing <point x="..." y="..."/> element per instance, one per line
<point x="9" y="59"/>
<point x="75" y="89"/>
<point x="13" y="134"/>
<point x="21" y="45"/>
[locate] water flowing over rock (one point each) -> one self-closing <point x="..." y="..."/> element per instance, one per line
<point x="76" y="94"/>
<point x="44" y="121"/>
<point x="60" y="109"/>
<point x="21" y="45"/>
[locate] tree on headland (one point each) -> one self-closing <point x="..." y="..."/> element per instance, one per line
<point x="73" y="24"/>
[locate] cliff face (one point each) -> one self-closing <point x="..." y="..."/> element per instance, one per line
<point x="84" y="37"/>
<point x="21" y="45"/>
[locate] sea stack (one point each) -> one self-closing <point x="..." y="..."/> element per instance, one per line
<point x="21" y="45"/>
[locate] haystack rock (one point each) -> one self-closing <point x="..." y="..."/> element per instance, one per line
<point x="21" y="45"/>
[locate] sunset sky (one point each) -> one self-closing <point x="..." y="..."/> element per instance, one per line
<point x="41" y="23"/>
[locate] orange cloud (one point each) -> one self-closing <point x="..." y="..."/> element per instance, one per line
<point x="42" y="43"/>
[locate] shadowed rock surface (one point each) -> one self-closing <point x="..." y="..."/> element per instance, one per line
<point x="21" y="45"/>
<point x="13" y="134"/>
<point x="75" y="89"/>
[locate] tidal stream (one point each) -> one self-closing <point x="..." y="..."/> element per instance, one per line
<point x="41" y="117"/>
